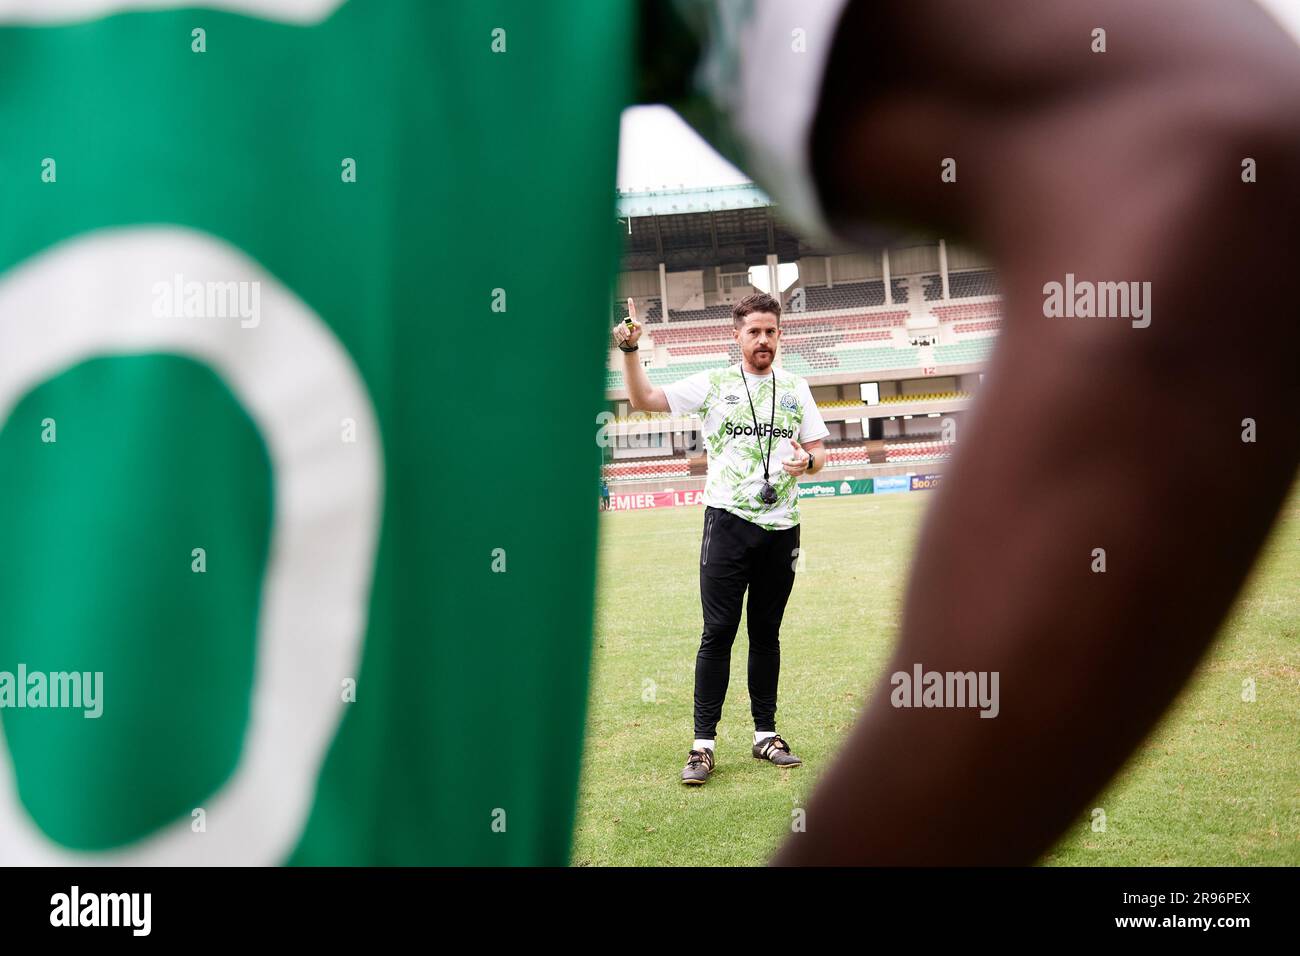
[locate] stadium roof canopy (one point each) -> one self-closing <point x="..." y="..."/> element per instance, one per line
<point x="705" y="227"/>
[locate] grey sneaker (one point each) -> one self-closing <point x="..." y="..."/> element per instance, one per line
<point x="776" y="750"/>
<point x="698" y="767"/>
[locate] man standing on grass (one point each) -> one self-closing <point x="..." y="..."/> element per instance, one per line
<point x="754" y="417"/>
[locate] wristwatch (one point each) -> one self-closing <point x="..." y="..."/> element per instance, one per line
<point x="811" y="461"/>
<point x="635" y="348"/>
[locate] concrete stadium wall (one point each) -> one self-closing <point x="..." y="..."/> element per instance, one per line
<point x="925" y="386"/>
<point x="914" y="259"/>
<point x="961" y="258"/>
<point x="638" y="285"/>
<point x="686" y="289"/>
<point x="812" y="270"/>
<point x="901" y="427"/>
<point x="854" y="267"/>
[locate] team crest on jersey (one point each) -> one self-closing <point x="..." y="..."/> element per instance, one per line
<point x="788" y="402"/>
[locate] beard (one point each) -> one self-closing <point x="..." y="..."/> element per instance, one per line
<point x="761" y="359"/>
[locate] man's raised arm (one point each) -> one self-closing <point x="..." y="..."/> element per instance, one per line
<point x="641" y="395"/>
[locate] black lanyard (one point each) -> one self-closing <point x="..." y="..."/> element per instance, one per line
<point x="770" y="431"/>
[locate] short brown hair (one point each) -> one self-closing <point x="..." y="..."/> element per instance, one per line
<point x="758" y="302"/>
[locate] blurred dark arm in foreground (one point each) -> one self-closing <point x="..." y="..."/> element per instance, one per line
<point x="1121" y="166"/>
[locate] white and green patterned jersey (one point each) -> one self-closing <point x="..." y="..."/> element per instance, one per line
<point x="738" y="445"/>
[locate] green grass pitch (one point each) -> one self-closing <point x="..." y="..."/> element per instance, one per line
<point x="1218" y="782"/>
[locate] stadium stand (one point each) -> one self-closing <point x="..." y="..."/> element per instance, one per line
<point x="797" y="324"/>
<point x="713" y="332"/>
<point x="958" y="353"/>
<point x="923" y="450"/>
<point x="819" y="344"/>
<point x="846" y="295"/>
<point x="662" y="376"/>
<point x="876" y="359"/>
<point x="837" y="335"/>
<point x="913" y="438"/>
<point x="968" y="311"/>
<point x="841" y="455"/>
<point x="968" y="285"/>
<point x="647" y="309"/>
<point x="810" y="344"/>
<point x="899" y="399"/>
<point x="927" y="397"/>
<point x="842" y="403"/>
<point x="974" y="328"/>
<point x="813" y="362"/>
<point x="645" y="470"/>
<point x="961" y="285"/>
<point x="729" y="350"/>
<point x="715" y="313"/>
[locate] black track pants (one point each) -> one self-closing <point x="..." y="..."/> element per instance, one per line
<point x="736" y="554"/>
